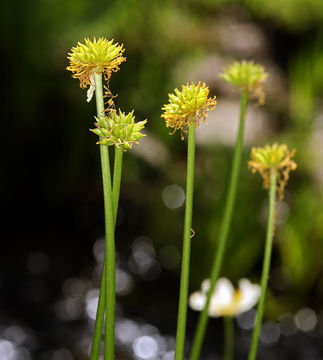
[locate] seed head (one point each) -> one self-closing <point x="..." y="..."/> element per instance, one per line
<point x="190" y="104"/>
<point x="277" y="157"/>
<point x="248" y="77"/>
<point x="118" y="129"/>
<point x="100" y="55"/>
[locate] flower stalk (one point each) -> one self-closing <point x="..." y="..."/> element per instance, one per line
<point x="90" y="62"/>
<point x="228" y="338"/>
<point x="109" y="273"/>
<point x="183" y="294"/>
<point x="224" y="231"/>
<point x="99" y="320"/>
<point x="248" y="78"/>
<point x="184" y="112"/>
<point x="266" y="264"/>
<point x="274" y="165"/>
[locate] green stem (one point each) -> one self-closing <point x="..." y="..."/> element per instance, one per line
<point x="98" y="328"/>
<point x="109" y="268"/>
<point x="224" y="231"/>
<point x="183" y="294"/>
<point x="109" y="256"/>
<point x="266" y="264"/>
<point x="228" y="337"/>
<point x="117" y="170"/>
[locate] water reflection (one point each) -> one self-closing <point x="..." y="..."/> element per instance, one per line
<point x="136" y="338"/>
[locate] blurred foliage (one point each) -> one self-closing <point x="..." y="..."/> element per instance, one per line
<point x="48" y="120"/>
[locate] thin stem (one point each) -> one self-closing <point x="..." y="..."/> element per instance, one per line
<point x="266" y="264"/>
<point x="228" y="338"/>
<point x="109" y="268"/>
<point x="109" y="256"/>
<point x="183" y="294"/>
<point x="224" y="231"/>
<point x="98" y="327"/>
<point x="117" y="170"/>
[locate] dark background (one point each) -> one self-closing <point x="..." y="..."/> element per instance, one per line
<point x="50" y="181"/>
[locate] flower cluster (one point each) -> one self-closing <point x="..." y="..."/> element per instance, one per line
<point x="248" y="77"/>
<point x="100" y="55"/>
<point x="189" y="105"/>
<point x="276" y="157"/>
<point x="225" y="300"/>
<point x="104" y="57"/>
<point x="118" y="129"/>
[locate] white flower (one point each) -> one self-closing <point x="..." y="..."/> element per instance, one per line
<point x="225" y="300"/>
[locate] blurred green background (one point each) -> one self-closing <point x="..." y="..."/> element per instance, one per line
<point x="51" y="186"/>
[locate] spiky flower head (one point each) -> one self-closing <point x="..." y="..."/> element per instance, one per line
<point x="189" y="105"/>
<point x="276" y="157"/>
<point x="118" y="129"/>
<point x="249" y="77"/>
<point x="100" y="55"/>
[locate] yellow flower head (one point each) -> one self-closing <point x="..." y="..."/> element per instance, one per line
<point x="190" y="104"/>
<point x="100" y="55"/>
<point x="248" y="77"/>
<point x="277" y="157"/>
<point x="119" y="129"/>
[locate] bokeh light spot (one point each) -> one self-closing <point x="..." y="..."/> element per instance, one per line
<point x="306" y="319"/>
<point x="247" y="320"/>
<point x="127" y="331"/>
<point x="173" y="196"/>
<point x="287" y="324"/>
<point x="145" y="347"/>
<point x="269" y="333"/>
<point x="37" y="262"/>
<point x="7" y="350"/>
<point x="92" y="299"/>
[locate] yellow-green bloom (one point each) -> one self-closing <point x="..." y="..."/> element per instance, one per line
<point x="100" y="55"/>
<point x="248" y="77"/>
<point x="189" y="105"/>
<point x="119" y="129"/>
<point x="274" y="157"/>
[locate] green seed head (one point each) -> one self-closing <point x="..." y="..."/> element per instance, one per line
<point x="248" y="77"/>
<point x="118" y="129"/>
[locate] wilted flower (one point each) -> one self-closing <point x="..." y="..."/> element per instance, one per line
<point x="225" y="300"/>
<point x="277" y="157"/>
<point x="248" y="77"/>
<point x="118" y="129"/>
<point x="190" y="104"/>
<point x="100" y="55"/>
